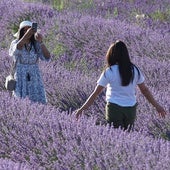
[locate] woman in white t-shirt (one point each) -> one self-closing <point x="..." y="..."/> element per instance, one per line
<point x="120" y="78"/>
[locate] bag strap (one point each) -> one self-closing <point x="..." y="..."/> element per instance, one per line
<point x="14" y="63"/>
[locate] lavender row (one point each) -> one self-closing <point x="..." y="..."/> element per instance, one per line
<point x="46" y="138"/>
<point x="85" y="44"/>
<point x="153" y="14"/>
<point x="68" y="89"/>
<point x="89" y="37"/>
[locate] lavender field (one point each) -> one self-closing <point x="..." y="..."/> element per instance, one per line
<point x="78" y="34"/>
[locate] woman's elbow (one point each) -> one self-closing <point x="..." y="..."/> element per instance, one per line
<point x="143" y="88"/>
<point x="48" y="56"/>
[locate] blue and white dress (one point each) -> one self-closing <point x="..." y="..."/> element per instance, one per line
<point x="27" y="73"/>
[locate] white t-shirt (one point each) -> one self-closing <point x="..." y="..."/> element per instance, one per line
<point x="116" y="93"/>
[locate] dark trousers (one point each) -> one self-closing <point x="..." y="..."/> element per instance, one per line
<point x="119" y="116"/>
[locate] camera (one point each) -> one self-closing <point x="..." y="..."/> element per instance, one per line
<point x="34" y="26"/>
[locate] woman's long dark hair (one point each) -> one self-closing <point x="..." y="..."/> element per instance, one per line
<point x="118" y="54"/>
<point x="32" y="39"/>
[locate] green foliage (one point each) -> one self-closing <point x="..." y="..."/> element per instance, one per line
<point x="59" y="4"/>
<point x="85" y="4"/>
<point x="14" y="28"/>
<point x="63" y="4"/>
<point x="58" y="50"/>
<point x="113" y="13"/>
<point x="162" y="16"/>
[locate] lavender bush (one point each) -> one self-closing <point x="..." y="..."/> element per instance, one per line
<point x="35" y="136"/>
<point x="8" y="164"/>
<point x="46" y="138"/>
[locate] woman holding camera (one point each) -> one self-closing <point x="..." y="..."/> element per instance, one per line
<point x="26" y="50"/>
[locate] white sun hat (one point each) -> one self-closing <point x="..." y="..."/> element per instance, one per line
<point x="22" y="25"/>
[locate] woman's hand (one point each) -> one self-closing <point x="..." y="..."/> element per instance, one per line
<point x="146" y="92"/>
<point x="98" y="89"/>
<point x="38" y="37"/>
<point x="29" y="33"/>
<point x="161" y="111"/>
<point x="78" y="113"/>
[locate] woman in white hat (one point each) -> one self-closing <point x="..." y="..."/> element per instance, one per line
<point x="26" y="50"/>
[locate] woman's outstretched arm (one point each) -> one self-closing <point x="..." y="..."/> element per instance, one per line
<point x="98" y="89"/>
<point x="146" y="92"/>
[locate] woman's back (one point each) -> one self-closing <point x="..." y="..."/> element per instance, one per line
<point x="116" y="92"/>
